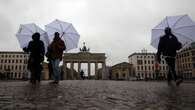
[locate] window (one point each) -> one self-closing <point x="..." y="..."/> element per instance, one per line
<point x="139" y="62"/>
<point x="163" y="67"/>
<point x="141" y="67"/>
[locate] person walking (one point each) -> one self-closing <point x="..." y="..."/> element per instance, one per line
<point x="82" y="75"/>
<point x="56" y="51"/>
<point x="168" y="45"/>
<point x="37" y="50"/>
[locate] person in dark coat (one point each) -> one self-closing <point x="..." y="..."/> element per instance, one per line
<point x="82" y="74"/>
<point x="56" y="51"/>
<point x="37" y="50"/>
<point x="168" y="45"/>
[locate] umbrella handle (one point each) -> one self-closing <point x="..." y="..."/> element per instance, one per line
<point x="62" y="34"/>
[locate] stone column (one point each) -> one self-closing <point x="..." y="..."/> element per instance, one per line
<point x="79" y="70"/>
<point x="64" y="69"/>
<point x="72" y="70"/>
<point x="103" y="71"/>
<point x="79" y="67"/>
<point x="96" y="71"/>
<point x="89" y="70"/>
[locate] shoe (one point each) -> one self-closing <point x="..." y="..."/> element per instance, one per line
<point x="178" y="82"/>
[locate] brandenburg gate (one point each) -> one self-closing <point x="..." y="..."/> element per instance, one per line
<point x="84" y="56"/>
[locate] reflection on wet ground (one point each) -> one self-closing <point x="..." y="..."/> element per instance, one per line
<point x="96" y="95"/>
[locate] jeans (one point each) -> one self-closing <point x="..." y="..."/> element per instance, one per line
<point x="56" y="69"/>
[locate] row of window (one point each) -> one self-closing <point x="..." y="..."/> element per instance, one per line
<point x="183" y="54"/>
<point x="183" y="60"/>
<point x="13" y="67"/>
<point x="184" y="66"/>
<point x="151" y="68"/>
<point x="145" y="56"/>
<point x="13" y="56"/>
<point x="140" y="62"/>
<point x="14" y="61"/>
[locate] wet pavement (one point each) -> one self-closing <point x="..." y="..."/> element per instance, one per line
<point x="96" y="95"/>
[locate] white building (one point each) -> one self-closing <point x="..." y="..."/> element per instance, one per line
<point x="13" y="65"/>
<point x="145" y="66"/>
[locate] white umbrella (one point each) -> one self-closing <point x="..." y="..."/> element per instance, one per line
<point x="25" y="32"/>
<point x="67" y="32"/>
<point x="182" y="27"/>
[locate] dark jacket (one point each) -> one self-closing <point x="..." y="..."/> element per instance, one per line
<point x="37" y="50"/>
<point x="168" y="46"/>
<point x="56" y="49"/>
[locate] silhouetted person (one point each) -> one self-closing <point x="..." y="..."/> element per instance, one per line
<point x="168" y="45"/>
<point x="56" y="50"/>
<point x="82" y="74"/>
<point x="37" y="50"/>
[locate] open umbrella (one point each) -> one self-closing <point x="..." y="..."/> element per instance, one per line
<point x="67" y="32"/>
<point x="182" y="27"/>
<point x="25" y="32"/>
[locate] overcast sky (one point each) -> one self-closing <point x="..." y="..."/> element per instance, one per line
<point x="115" y="27"/>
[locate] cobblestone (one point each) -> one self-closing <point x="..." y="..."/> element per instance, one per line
<point x="96" y="95"/>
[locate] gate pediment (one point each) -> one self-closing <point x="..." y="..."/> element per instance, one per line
<point x="84" y="57"/>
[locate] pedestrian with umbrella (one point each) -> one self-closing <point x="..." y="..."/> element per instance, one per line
<point x="29" y="39"/>
<point x="168" y="37"/>
<point x="62" y="36"/>
<point x="55" y="52"/>
<point x="168" y="45"/>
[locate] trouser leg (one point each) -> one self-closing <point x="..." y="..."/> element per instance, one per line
<point x="56" y="69"/>
<point x="33" y="76"/>
<point x="172" y="73"/>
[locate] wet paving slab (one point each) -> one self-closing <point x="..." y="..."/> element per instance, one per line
<point x="96" y="95"/>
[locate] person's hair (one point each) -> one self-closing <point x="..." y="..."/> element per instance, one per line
<point x="168" y="30"/>
<point x="57" y="34"/>
<point x="36" y="36"/>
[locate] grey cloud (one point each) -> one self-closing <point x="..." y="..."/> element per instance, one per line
<point x="116" y="27"/>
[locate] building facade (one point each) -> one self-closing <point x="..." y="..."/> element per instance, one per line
<point x="14" y="65"/>
<point x="122" y="71"/>
<point x="146" y="67"/>
<point x="185" y="62"/>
